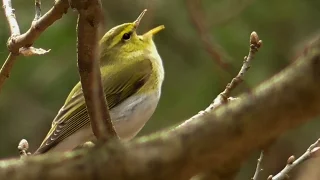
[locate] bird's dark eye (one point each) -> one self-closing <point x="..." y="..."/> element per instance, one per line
<point x="126" y="36"/>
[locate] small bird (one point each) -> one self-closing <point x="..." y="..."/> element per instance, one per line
<point x="132" y="74"/>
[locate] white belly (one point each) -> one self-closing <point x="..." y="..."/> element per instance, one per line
<point x="131" y="115"/>
<point x="128" y="118"/>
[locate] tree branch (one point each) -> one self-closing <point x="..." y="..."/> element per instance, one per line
<point x="17" y="41"/>
<point x="225" y="136"/>
<point x="88" y="64"/>
<point x="39" y="26"/>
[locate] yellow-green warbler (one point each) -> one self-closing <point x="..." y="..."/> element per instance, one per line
<point x="132" y="76"/>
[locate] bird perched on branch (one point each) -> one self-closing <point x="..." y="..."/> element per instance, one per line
<point x="132" y="76"/>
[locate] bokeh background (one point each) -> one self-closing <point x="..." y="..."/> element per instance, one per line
<point x="198" y="34"/>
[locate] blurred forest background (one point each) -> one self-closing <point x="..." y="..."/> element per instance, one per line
<point x="197" y="34"/>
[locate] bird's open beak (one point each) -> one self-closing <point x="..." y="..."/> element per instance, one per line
<point x="154" y="31"/>
<point x="137" y="21"/>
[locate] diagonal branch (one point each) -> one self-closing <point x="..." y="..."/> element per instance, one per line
<point x="88" y="64"/>
<point x="292" y="162"/>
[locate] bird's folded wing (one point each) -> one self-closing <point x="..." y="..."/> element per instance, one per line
<point x="117" y="87"/>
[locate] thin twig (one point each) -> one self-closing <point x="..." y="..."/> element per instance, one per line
<point x="292" y="162"/>
<point x="255" y="44"/>
<point x="198" y="19"/>
<point x="224" y="97"/>
<point x="258" y="169"/>
<point x="88" y="64"/>
<point x="6" y="68"/>
<point x="38" y="10"/>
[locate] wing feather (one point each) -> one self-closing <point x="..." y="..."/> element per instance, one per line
<point x="73" y="114"/>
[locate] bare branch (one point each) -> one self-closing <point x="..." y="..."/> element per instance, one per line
<point x="17" y="41"/>
<point x="88" y="64"/>
<point x="292" y="162"/>
<point x="255" y="44"/>
<point x="224" y="97"/>
<point x="258" y="169"/>
<point x="37" y="27"/>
